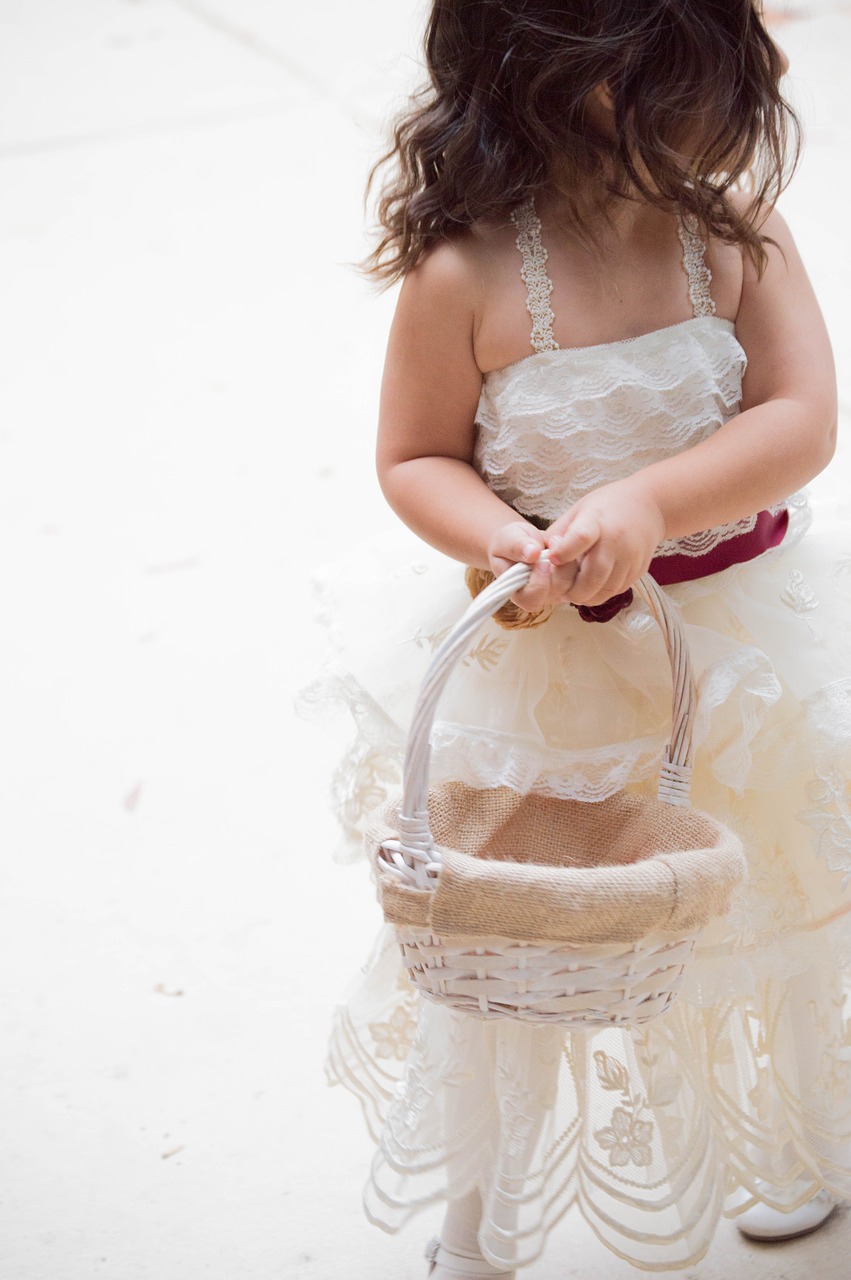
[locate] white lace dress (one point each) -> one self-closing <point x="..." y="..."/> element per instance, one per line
<point x="651" y="1133"/>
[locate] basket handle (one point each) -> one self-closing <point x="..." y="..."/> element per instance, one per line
<point x="414" y="856"/>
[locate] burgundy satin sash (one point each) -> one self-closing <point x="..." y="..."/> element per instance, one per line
<point x="769" y="531"/>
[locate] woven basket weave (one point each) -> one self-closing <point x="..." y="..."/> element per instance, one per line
<point x="547" y="910"/>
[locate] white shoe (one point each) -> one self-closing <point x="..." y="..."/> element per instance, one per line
<point x="762" y="1222"/>
<point x="445" y="1265"/>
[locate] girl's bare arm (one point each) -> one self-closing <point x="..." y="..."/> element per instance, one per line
<point x="429" y="395"/>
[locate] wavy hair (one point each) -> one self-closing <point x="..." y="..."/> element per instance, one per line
<point x="694" y="87"/>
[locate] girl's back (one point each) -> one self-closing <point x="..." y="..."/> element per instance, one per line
<point x="637" y="285"/>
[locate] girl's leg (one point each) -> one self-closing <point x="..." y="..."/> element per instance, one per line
<point x="523" y="1065"/>
<point x="813" y="1046"/>
<point x="460" y="1230"/>
<point x="458" y="1256"/>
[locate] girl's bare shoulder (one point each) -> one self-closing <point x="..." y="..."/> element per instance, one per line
<point x="780" y="247"/>
<point x="461" y="282"/>
<point x="733" y="267"/>
<point x="437" y="302"/>
<point x="466" y="262"/>
<point x="781" y="285"/>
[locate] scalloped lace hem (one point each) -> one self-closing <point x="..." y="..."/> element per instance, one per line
<point x="652" y="1133"/>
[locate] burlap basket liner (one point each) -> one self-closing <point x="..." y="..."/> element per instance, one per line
<point x="536" y="869"/>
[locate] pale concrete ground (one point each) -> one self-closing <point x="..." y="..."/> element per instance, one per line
<point x="190" y="377"/>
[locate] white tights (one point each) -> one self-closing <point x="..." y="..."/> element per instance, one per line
<point x="460" y="1230"/>
<point x="460" y="1235"/>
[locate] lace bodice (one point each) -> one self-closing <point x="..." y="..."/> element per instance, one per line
<point x="562" y="421"/>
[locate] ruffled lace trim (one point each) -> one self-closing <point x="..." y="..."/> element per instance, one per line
<point x="699" y="544"/>
<point x="547" y="435"/>
<point x="485" y="758"/>
<point x="545" y="440"/>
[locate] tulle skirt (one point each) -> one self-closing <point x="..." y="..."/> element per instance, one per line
<point x="651" y="1133"/>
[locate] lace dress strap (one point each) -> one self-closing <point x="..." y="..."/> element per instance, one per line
<point x="699" y="275"/>
<point x="533" y="273"/>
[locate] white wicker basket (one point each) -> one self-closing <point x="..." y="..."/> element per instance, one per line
<point x="595" y="925"/>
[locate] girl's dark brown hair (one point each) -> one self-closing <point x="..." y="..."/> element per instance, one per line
<point x="694" y="86"/>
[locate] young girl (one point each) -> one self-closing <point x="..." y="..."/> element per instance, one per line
<point x="606" y="345"/>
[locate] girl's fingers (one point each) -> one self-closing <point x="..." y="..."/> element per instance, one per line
<point x="564" y="576"/>
<point x="575" y="542"/>
<point x="548" y="586"/>
<point x="527" y="548"/>
<point x="535" y="595"/>
<point x="597" y="590"/>
<point x="516" y="543"/>
<point x="596" y="581"/>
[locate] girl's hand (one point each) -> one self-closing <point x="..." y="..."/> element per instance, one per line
<point x="517" y="543"/>
<point x="613" y="534"/>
